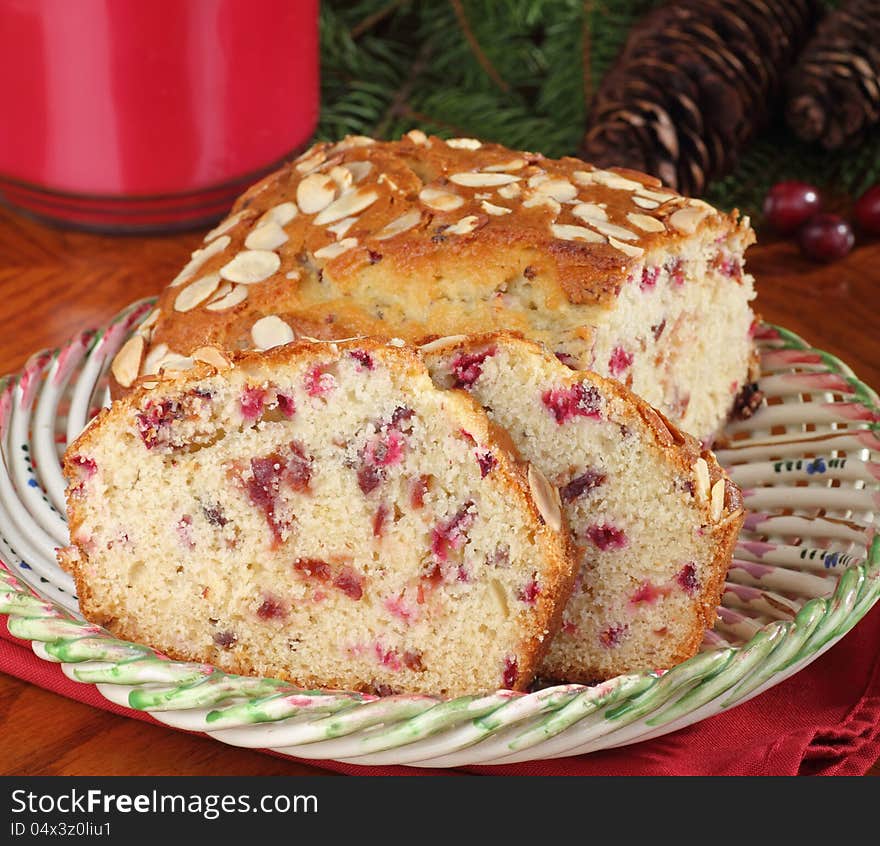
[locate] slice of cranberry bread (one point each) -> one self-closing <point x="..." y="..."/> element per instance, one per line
<point x="320" y="513"/>
<point x="652" y="514"/>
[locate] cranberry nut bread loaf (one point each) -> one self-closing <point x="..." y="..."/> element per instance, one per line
<point x="652" y="515"/>
<point x="423" y="237"/>
<point x="320" y="513"/>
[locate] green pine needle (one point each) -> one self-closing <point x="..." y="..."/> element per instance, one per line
<point x="512" y="71"/>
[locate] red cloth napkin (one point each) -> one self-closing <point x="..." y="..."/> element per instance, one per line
<point x="824" y="720"/>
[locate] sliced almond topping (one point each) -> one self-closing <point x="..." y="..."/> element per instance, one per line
<point x="543" y="200"/>
<point x="226" y="225"/>
<point x="614" y="231"/>
<point x="546" y="498"/>
<point x="615" y="180"/>
<point x="646" y="223"/>
<point x="127" y="363"/>
<point x="269" y="236"/>
<point x="339" y="229"/>
<point x="499" y="596"/>
<point x="144" y="329"/>
<point x="471" y="179"/>
<point x="293" y="274"/>
<point x="151" y="318"/>
<point x="645" y="203"/>
<point x="384" y="177"/>
<point x="490" y="208"/>
<point x="213" y="356"/>
<point x="308" y="164"/>
<point x="251" y="266"/>
<point x="464" y="143"/>
<point x="355" y="141"/>
<point x="582" y="177"/>
<point x="417" y="136"/>
<point x="281" y="214"/>
<point x="590" y="212"/>
<point x="358" y="169"/>
<point x="173" y="363"/>
<point x="717" y="500"/>
<point x="315" y="193"/>
<point x="160" y="359"/>
<point x="567" y="232"/>
<point x="439" y="200"/>
<point x="170" y="372"/>
<point x="510" y="192"/>
<point x="399" y="224"/>
<point x="351" y="203"/>
<point x="464" y="226"/>
<point x="628" y="249"/>
<point x="271" y="331"/>
<point x="505" y="167"/>
<point x="154" y="356"/>
<point x="222" y="291"/>
<point x="331" y="251"/>
<point x="659" y="196"/>
<point x="559" y="189"/>
<point x="687" y="219"/>
<point x="199" y="257"/>
<point x="701" y="474"/>
<point x="342" y="176"/>
<point x="440" y="343"/>
<point x="237" y="295"/>
<point x="197" y="292"/>
<point x="333" y="345"/>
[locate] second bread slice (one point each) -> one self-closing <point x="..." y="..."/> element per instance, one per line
<point x="652" y="514"/>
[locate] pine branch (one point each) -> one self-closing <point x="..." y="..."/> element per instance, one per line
<point x="375" y="17"/>
<point x="586" y="63"/>
<point x="376" y="78"/>
<point x="398" y="105"/>
<point x="475" y="46"/>
<point x="428" y="123"/>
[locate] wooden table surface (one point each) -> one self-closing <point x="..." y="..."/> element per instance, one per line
<point x="54" y="283"/>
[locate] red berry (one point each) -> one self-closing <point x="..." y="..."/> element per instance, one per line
<point x="252" y="401"/>
<point x="867" y="210"/>
<point x="789" y="204"/>
<point x="511" y="671"/>
<point x="687" y="578"/>
<point x="826" y="237"/>
<point x="225" y="639"/>
<point x="271" y="609"/>
<point x="620" y="360"/>
<point x="581" y="484"/>
<point x="468" y="367"/>
<point x="573" y="401"/>
<point x="350" y="582"/>
<point x="607" y="536"/>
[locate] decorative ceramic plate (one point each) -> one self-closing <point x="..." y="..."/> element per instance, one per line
<point x="806" y="570"/>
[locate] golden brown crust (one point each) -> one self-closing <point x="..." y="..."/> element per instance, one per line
<point x="575" y="232"/>
<point x="68" y="558"/>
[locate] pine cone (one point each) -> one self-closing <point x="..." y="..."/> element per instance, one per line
<point x="693" y="84"/>
<point x="833" y="92"/>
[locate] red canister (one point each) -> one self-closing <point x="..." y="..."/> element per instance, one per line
<point x="120" y="115"/>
